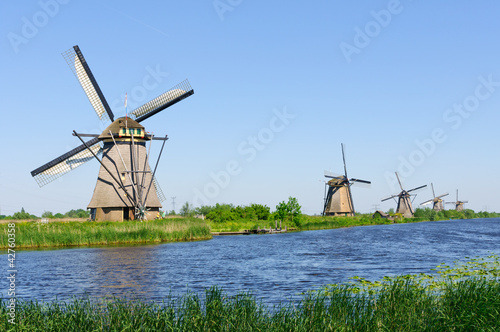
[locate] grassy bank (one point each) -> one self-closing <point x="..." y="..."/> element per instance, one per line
<point x="401" y="304"/>
<point x="306" y="223"/>
<point x="328" y="222"/>
<point x="58" y="234"/>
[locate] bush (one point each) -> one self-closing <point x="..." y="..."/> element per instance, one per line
<point x="222" y="213"/>
<point x="23" y="215"/>
<point x="204" y="209"/>
<point x="47" y="214"/>
<point x="227" y="212"/>
<point x="289" y="212"/>
<point x="262" y="211"/>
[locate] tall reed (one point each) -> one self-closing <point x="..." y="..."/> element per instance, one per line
<point x="470" y="305"/>
<point x="55" y="234"/>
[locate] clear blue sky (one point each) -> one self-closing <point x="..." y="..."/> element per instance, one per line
<point x="408" y="85"/>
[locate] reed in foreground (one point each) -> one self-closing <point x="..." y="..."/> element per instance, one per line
<point x="57" y="234"/>
<point x="469" y="305"/>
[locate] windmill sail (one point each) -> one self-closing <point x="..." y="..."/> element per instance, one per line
<point x="122" y="188"/>
<point x="338" y="198"/>
<point x="404" y="207"/>
<point x="80" y="68"/>
<point x="165" y="100"/>
<point x="159" y="191"/>
<point x="66" y="162"/>
<point x="437" y="201"/>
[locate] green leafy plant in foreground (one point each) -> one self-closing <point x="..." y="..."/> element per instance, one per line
<point x="465" y="297"/>
<point x="487" y="268"/>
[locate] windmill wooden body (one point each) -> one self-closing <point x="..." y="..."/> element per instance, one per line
<point x="437" y="202"/>
<point x="338" y="197"/>
<point x="404" y="201"/>
<point x="459" y="205"/>
<point x="126" y="187"/>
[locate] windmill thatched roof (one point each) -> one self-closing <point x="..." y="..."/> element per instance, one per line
<point x="337" y="181"/>
<point x="118" y="124"/>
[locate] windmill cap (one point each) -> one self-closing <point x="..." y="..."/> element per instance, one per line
<point x="118" y="125"/>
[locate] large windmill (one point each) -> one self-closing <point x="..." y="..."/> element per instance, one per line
<point x="437" y="202"/>
<point x="459" y="205"/>
<point x="404" y="201"/>
<point x="126" y="187"/>
<point x="338" y="197"/>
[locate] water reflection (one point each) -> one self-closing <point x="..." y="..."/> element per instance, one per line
<point x="122" y="270"/>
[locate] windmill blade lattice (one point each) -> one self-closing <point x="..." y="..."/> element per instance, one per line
<point x="80" y="68"/>
<point x="165" y="100"/>
<point x="125" y="178"/>
<point x="417" y="188"/>
<point x="66" y="162"/>
<point x="159" y="191"/>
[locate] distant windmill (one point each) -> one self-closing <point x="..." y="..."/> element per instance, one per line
<point x="126" y="187"/>
<point x="404" y="201"/>
<point x="459" y="205"/>
<point x="338" y="197"/>
<point x="437" y="202"/>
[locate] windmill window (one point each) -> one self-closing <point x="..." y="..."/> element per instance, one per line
<point x="124" y="131"/>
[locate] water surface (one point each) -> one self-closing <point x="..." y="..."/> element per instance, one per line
<point x="274" y="267"/>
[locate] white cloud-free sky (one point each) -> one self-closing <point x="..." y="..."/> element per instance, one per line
<point x="408" y="86"/>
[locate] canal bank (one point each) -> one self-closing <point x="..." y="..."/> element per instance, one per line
<point x="77" y="233"/>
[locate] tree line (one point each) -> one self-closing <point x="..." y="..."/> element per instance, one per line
<point x="289" y="211"/>
<point x="23" y="215"/>
<point x="431" y="214"/>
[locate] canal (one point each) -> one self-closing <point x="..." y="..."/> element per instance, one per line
<point x="273" y="267"/>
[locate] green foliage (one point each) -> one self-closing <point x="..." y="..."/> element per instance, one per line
<point x="204" y="209"/>
<point x="23" y="215"/>
<point x="289" y="211"/>
<point x="469" y="214"/>
<point x="475" y="268"/>
<point x="47" y="214"/>
<point x="262" y="211"/>
<point x="74" y="233"/>
<point x="430" y="215"/>
<point x="221" y="213"/>
<point x="80" y="213"/>
<point x="186" y="210"/>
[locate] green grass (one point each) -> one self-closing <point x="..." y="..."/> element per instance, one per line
<point x="470" y="301"/>
<point x="472" y="305"/>
<point x="306" y="223"/>
<point x="57" y="234"/>
<point x="239" y="225"/>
